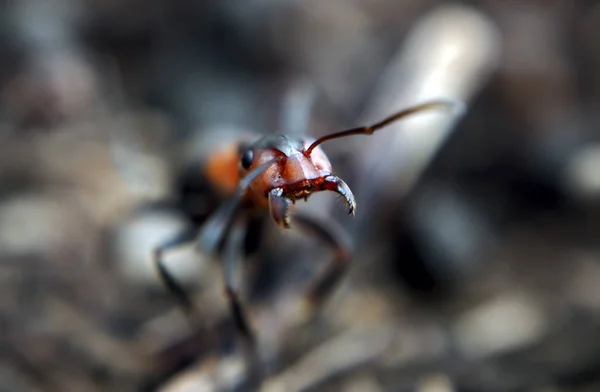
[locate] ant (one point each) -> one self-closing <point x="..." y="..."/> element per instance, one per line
<point x="269" y="175"/>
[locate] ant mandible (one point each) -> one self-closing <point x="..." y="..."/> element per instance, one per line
<point x="270" y="175"/>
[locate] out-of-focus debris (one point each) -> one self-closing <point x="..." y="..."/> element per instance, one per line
<point x="436" y="383"/>
<point x="581" y="175"/>
<point x="57" y="82"/>
<point x="449" y="54"/>
<point x="535" y="65"/>
<point x="584" y="290"/>
<point x="362" y="383"/>
<point x="339" y="355"/>
<point x="451" y="231"/>
<point x="28" y="224"/>
<point x="506" y="323"/>
<point x="225" y="374"/>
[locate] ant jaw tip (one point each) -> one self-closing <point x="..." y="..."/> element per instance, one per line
<point x="280" y="206"/>
<point x="352" y="209"/>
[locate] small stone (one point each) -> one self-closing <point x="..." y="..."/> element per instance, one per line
<point x="140" y="236"/>
<point x="505" y="323"/>
<point x="436" y="383"/>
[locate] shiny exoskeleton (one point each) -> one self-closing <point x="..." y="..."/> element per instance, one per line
<point x="269" y="175"/>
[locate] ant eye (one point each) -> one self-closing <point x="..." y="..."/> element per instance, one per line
<point x="247" y="157"/>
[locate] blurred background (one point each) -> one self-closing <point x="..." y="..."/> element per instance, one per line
<point x="476" y="260"/>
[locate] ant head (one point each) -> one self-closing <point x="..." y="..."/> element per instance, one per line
<point x="280" y="169"/>
<point x="294" y="169"/>
<point x="284" y="170"/>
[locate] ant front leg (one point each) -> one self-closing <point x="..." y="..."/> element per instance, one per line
<point x="233" y="256"/>
<point x="207" y="241"/>
<point x="231" y="267"/>
<point x="334" y="236"/>
<point x="174" y="288"/>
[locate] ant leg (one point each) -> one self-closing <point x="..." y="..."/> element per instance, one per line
<point x="213" y="230"/>
<point x="209" y="237"/>
<point x="335" y="237"/>
<point x="233" y="255"/>
<point x="207" y="244"/>
<point x="231" y="267"/>
<point x="174" y="288"/>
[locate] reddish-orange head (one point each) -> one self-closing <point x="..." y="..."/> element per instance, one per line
<point x="293" y="169"/>
<point x="295" y="173"/>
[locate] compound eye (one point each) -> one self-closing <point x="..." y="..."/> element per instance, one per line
<point x="247" y="157"/>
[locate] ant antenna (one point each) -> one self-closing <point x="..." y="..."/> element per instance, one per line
<point x="457" y="107"/>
